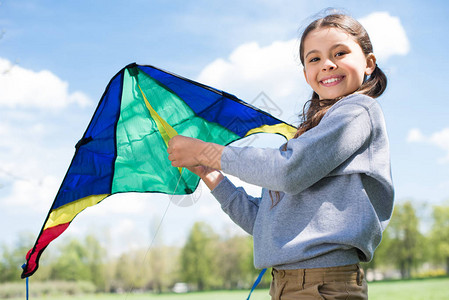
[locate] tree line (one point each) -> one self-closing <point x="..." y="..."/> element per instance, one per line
<point x="209" y="261"/>
<point x="408" y="247"/>
<point x="206" y="261"/>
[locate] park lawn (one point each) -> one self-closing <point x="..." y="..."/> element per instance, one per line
<point x="423" y="289"/>
<point x="261" y="294"/>
<point x="417" y="289"/>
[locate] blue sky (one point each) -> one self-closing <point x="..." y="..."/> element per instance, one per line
<point x="56" y="58"/>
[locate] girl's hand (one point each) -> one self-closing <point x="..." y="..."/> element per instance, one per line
<point x="211" y="177"/>
<point x="199" y="157"/>
<point x="201" y="171"/>
<point x="189" y="152"/>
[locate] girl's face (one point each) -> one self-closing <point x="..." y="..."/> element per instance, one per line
<point x="334" y="64"/>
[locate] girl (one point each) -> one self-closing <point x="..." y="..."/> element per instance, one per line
<point x="327" y="193"/>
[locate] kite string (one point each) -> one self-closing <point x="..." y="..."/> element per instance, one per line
<point x="26" y="284"/>
<point x="157" y="229"/>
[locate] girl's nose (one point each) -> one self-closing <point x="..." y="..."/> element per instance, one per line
<point x="329" y="65"/>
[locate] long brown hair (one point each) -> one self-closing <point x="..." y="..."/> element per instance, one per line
<point x="373" y="85"/>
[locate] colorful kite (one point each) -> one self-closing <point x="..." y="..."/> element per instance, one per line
<point x="124" y="146"/>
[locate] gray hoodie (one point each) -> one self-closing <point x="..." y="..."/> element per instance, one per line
<point x="335" y="185"/>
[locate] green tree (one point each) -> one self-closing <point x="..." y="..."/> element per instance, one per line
<point x="163" y="264"/>
<point x="12" y="258"/>
<point x="198" y="257"/>
<point x="71" y="264"/>
<point x="131" y="271"/>
<point x="406" y="247"/>
<point x="161" y="260"/>
<point x="144" y="269"/>
<point x="236" y="263"/>
<point x="95" y="260"/>
<point x="81" y="260"/>
<point x="439" y="235"/>
<point x="382" y="256"/>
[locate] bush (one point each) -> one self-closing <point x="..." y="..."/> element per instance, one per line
<point x="12" y="290"/>
<point x="47" y="288"/>
<point x="431" y="273"/>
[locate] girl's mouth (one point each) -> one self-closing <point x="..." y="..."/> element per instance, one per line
<point x="331" y="81"/>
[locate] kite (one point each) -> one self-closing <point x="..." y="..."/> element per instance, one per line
<point x="124" y="147"/>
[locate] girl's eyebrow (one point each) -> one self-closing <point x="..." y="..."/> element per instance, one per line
<point x="311" y="52"/>
<point x="331" y="48"/>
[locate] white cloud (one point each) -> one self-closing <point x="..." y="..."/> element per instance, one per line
<point x="251" y="69"/>
<point x="387" y="35"/>
<point x="20" y="87"/>
<point x="250" y="189"/>
<point x="275" y="69"/>
<point x="209" y="210"/>
<point x="31" y="165"/>
<point x="443" y="185"/>
<point x="415" y="135"/>
<point x="35" y="144"/>
<point x="439" y="139"/>
<point x="124" y="228"/>
<point x="32" y="194"/>
<point x="126" y="236"/>
<point x="123" y="203"/>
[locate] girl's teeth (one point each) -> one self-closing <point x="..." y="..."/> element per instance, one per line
<point x="331" y="80"/>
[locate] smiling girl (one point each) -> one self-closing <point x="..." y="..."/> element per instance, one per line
<point x="327" y="193"/>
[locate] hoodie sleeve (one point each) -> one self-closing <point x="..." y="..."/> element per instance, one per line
<point x="344" y="129"/>
<point x="241" y="207"/>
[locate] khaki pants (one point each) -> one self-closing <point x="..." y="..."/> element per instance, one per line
<point x="346" y="282"/>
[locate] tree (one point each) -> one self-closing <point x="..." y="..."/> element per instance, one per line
<point x="95" y="260"/>
<point x="163" y="266"/>
<point x="406" y="245"/>
<point x="439" y="235"/>
<point x="162" y="260"/>
<point x="12" y="258"/>
<point x="382" y="255"/>
<point x="81" y="261"/>
<point x="71" y="264"/>
<point x="236" y="262"/>
<point x="132" y="271"/>
<point x="198" y="257"/>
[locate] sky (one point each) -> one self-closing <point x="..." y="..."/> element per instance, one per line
<point x="57" y="57"/>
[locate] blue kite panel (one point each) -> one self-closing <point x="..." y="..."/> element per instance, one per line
<point x="92" y="167"/>
<point x="213" y="105"/>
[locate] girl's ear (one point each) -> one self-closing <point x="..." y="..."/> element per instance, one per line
<point x="370" y="64"/>
<point x="305" y="75"/>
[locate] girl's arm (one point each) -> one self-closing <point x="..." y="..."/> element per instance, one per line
<point x="343" y="132"/>
<point x="211" y="177"/>
<point x="202" y="158"/>
<point x="190" y="152"/>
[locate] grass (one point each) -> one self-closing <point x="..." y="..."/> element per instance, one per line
<point x="422" y="289"/>
<point x="418" y="289"/>
<point x="215" y="295"/>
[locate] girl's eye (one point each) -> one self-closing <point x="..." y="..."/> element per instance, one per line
<point x="314" y="59"/>
<point x="340" y="53"/>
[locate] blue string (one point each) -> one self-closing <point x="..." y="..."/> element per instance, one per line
<point x="23" y="267"/>
<point x="27" y="287"/>
<point x="256" y="283"/>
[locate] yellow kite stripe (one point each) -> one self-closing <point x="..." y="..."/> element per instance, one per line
<point x="66" y="213"/>
<point x="286" y="130"/>
<point x="165" y="129"/>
